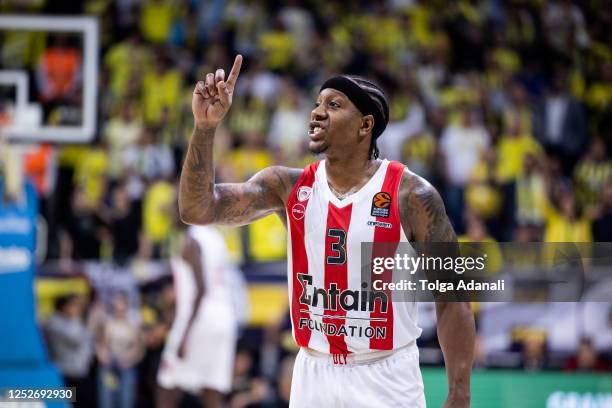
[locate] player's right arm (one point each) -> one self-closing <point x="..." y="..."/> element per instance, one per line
<point x="201" y="201"/>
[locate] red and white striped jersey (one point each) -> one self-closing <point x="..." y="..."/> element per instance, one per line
<point x="330" y="308"/>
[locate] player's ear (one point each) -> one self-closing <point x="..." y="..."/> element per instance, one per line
<point x="367" y="124"/>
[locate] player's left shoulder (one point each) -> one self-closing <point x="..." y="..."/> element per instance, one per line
<point x="418" y="198"/>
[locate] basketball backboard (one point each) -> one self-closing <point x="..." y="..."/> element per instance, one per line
<point x="48" y="78"/>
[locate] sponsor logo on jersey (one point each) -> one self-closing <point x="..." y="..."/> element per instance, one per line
<point x="304" y="193"/>
<point x="381" y="204"/>
<point x="380" y="224"/>
<point x="363" y="300"/>
<point x="350" y="330"/>
<point x="298" y="211"/>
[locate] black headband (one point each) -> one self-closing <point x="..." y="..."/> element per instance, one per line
<point x="361" y="100"/>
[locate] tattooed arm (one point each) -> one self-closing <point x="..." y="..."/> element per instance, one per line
<point x="201" y="201"/>
<point x="425" y="221"/>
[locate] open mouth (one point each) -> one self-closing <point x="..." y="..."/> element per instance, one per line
<point x="315" y="130"/>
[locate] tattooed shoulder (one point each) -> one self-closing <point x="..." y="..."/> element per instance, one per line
<point x="284" y="179"/>
<point x="422" y="211"/>
<point x="264" y="193"/>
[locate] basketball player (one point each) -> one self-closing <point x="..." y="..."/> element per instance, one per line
<point x="330" y="207"/>
<point x="198" y="356"/>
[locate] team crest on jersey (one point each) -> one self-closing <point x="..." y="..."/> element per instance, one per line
<point x="298" y="211"/>
<point x="381" y="204"/>
<point x="304" y="193"/>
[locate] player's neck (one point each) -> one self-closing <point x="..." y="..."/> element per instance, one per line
<point x="349" y="174"/>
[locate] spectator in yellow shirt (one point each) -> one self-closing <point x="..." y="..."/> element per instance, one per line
<point x="161" y="89"/>
<point x="566" y="224"/>
<point x="156" y="19"/>
<point x="592" y="173"/>
<point x="251" y="156"/>
<point x="91" y="172"/>
<point x="419" y="153"/>
<point x="513" y="148"/>
<point x="157" y="216"/>
<point x="599" y="94"/>
<point x="121" y="133"/>
<point x="482" y="195"/>
<point x="531" y="194"/>
<point x="125" y="62"/>
<point x="278" y="47"/>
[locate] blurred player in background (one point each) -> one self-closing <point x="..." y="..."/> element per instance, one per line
<point x="330" y="208"/>
<point x="199" y="353"/>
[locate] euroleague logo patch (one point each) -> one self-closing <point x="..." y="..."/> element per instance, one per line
<point x="381" y="204"/>
<point x="298" y="211"/>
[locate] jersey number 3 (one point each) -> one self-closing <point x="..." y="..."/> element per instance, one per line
<point x="338" y="246"/>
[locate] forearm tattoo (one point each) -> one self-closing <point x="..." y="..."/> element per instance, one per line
<point x="196" y="190"/>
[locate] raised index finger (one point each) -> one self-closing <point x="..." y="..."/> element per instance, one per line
<point x="233" y="75"/>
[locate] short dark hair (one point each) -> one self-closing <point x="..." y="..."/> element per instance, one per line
<point x="380" y="100"/>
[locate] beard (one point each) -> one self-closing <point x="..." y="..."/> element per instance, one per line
<point x="318" y="147"/>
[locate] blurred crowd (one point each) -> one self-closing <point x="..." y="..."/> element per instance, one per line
<point x="112" y="352"/>
<point x="505" y="106"/>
